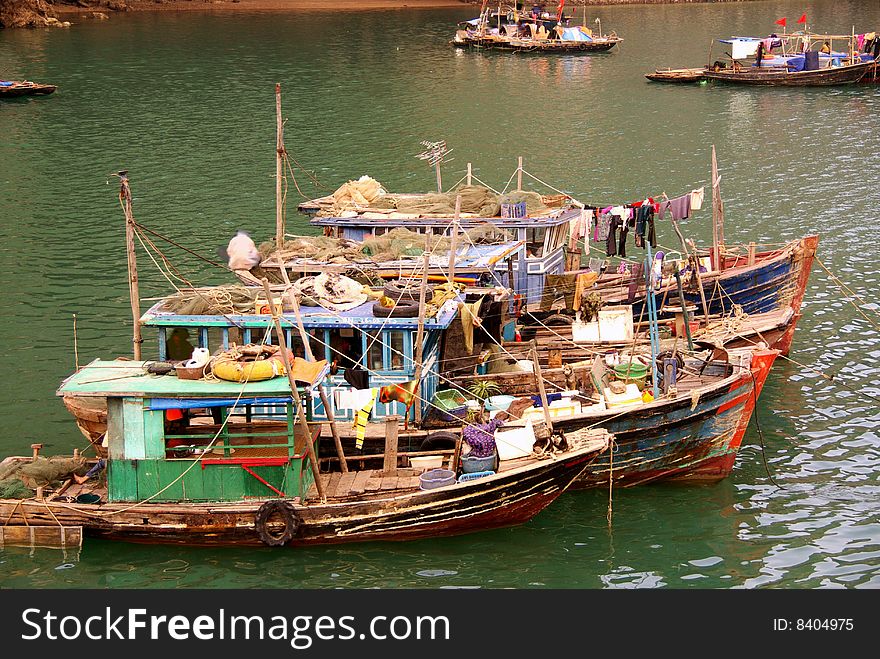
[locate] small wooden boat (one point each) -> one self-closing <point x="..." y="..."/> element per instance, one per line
<point x="14" y="88"/>
<point x="525" y="45"/>
<point x="676" y="75"/>
<point x="239" y="483"/>
<point x="781" y="77"/>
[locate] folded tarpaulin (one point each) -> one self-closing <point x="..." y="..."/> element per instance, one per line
<point x="575" y="34"/>
<point x="4" y="83"/>
<point x="194" y="403"/>
<point x="742" y="48"/>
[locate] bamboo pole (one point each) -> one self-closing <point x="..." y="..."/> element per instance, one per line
<point x="453" y="238"/>
<point x="285" y="356"/>
<point x="420" y="332"/>
<point x="695" y="263"/>
<point x="519" y="171"/>
<point x="307" y="348"/>
<point x="469" y="174"/>
<point x="540" y="379"/>
<point x="279" y="153"/>
<point x="716" y="260"/>
<point x="133" y="289"/>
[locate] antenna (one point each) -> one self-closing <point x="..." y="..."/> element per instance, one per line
<point x="435" y="153"/>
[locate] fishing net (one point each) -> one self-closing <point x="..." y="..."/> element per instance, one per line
<point x="232" y="299"/>
<point x="12" y="488"/>
<point x="41" y="472"/>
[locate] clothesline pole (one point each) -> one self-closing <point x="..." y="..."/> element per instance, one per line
<point x="519" y="171"/>
<point x="540" y="381"/>
<point x="285" y="356"/>
<point x="453" y="238"/>
<point x="133" y="288"/>
<point x="469" y="174"/>
<point x="716" y="211"/>
<point x="279" y="152"/>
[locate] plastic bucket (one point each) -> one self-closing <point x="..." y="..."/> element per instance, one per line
<point x="635" y="372"/>
<point x="471" y="465"/>
<point x="435" y="478"/>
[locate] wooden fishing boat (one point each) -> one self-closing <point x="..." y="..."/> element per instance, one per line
<point x="240" y="483"/>
<point x="676" y="75"/>
<point x="783" y="77"/>
<point x="15" y="88"/>
<point x="508" y="29"/>
<point x="692" y="432"/>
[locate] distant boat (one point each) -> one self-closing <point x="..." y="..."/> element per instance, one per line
<point x="13" y="88"/>
<point x="513" y="30"/>
<point x="676" y="75"/>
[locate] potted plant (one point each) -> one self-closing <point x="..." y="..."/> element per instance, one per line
<point x="483" y="389"/>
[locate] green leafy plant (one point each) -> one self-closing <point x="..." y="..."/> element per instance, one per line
<point x="483" y="389"/>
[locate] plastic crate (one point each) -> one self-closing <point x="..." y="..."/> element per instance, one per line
<point x="515" y="210"/>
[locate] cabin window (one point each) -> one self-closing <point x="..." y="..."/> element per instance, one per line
<point x="555" y="238"/>
<point x="373" y="344"/>
<point x="535" y="242"/>
<point x="346" y="349"/>
<point x="396" y="350"/>
<point x="388" y="350"/>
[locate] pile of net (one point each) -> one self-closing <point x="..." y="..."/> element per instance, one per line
<point x="18" y="480"/>
<point x="397" y="244"/>
<point x="219" y="300"/>
<point x="476" y="200"/>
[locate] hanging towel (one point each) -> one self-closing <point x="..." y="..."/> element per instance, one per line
<point x="358" y="377"/>
<point x="680" y="207"/>
<point x="697" y="199"/>
<point x="360" y="421"/>
<point x="470" y="318"/>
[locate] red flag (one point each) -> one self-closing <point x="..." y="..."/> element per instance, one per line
<point x="781" y="22"/>
<point x="802" y="19"/>
<point x="559" y="10"/>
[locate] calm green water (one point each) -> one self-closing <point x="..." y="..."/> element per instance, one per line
<point x="185" y="102"/>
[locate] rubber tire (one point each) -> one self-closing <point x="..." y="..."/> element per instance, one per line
<point x="442" y="439"/>
<point x="403" y="309"/>
<point x="558" y="320"/>
<point x="406" y="293"/>
<point x="292" y="522"/>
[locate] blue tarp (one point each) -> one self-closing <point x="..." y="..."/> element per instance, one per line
<point x="194" y="403"/>
<point x="574" y="34"/>
<point x="3" y="83"/>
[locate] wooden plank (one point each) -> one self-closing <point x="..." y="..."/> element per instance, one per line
<point x="389" y="483"/>
<point x="345" y="483"/>
<point x="212" y="483"/>
<point x="409" y="482"/>
<point x="360" y="482"/>
<point x="54" y="537"/>
<point x="332" y="483"/>
<point x="373" y="484"/>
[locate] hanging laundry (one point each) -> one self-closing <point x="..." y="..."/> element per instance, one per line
<point x="360" y="420"/>
<point x="358" y="377"/>
<point x="621" y="243"/>
<point x="603" y="226"/>
<point x="860" y="38"/>
<point x="662" y="207"/>
<point x="697" y="199"/>
<point x="611" y="242"/>
<point x="579" y="227"/>
<point x="680" y="207"/>
<point x="470" y="318"/>
<point x="556" y="286"/>
<point x="743" y="48"/>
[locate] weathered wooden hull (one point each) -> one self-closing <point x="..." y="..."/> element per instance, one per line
<point x="532" y="46"/>
<point x="678" y="439"/>
<point x="676" y="75"/>
<point x="840" y="75"/>
<point x="505" y="499"/>
<point x="26" y="90"/>
<point x="91" y="419"/>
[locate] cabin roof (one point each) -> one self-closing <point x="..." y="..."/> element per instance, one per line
<point x="313" y="318"/>
<point x="558" y="216"/>
<point x="118" y="378"/>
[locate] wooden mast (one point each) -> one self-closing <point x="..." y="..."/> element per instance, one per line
<point x="453" y="238"/>
<point x="717" y="216"/>
<point x="133" y="291"/>
<point x="285" y="356"/>
<point x="420" y="332"/>
<point x="279" y="156"/>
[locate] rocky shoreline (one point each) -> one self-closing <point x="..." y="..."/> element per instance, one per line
<point x="46" y="13"/>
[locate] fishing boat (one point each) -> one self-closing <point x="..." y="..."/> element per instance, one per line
<point x="15" y="88"/>
<point x="784" y="77"/>
<point x="692" y="432"/>
<point x="509" y="29"/>
<point x="676" y="75"/>
<point x="222" y="479"/>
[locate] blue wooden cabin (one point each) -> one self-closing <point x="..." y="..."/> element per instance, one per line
<point x="382" y="346"/>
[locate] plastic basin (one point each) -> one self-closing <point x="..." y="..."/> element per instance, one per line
<point x="435" y="478"/>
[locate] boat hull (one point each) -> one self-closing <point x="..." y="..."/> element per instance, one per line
<point x="841" y="75"/>
<point x="26" y="90"/>
<point x="682" y="439"/>
<point x="505" y="499"/>
<point x="530" y="46"/>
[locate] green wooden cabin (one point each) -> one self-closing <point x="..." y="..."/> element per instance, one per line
<point x="216" y="452"/>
